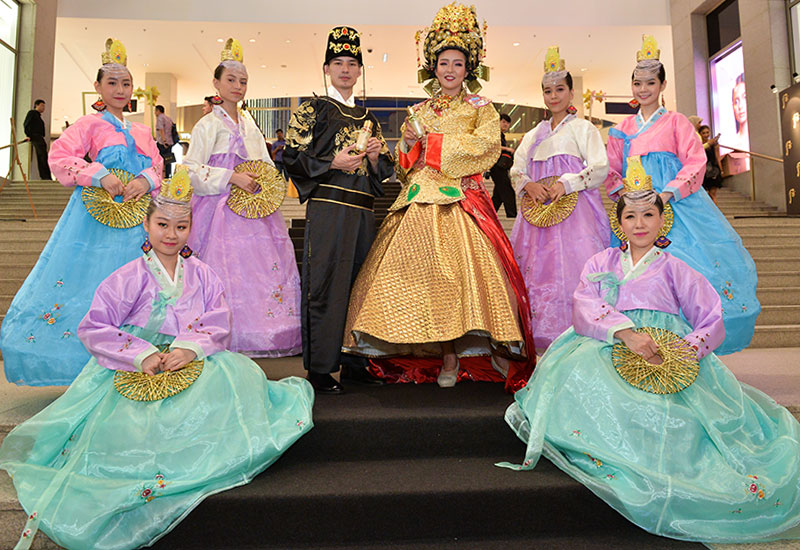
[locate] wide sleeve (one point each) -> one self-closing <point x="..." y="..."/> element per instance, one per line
<point x="206" y="180"/>
<point x="592" y="316"/>
<point x="700" y="305"/>
<point x="591" y="147"/>
<point x="614" y="181"/>
<point x="462" y="154"/>
<point x="66" y="157"/>
<point x="99" y="330"/>
<point x="519" y="170"/>
<point x="152" y="173"/>
<point x="689" y="149"/>
<point x="304" y="163"/>
<point x="210" y="332"/>
<point x="385" y="161"/>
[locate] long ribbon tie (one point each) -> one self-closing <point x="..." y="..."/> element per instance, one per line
<point x="130" y="144"/>
<point x="159" y="313"/>
<point x="609" y="282"/>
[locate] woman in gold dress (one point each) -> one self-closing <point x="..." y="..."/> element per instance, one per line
<point x="440" y="280"/>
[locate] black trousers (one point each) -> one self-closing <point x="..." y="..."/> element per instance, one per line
<point x="40" y="146"/>
<point x="168" y="156"/>
<point x="337" y="240"/>
<point x="503" y="192"/>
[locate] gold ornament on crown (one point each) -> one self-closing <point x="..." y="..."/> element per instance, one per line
<point x="649" y="49"/>
<point x="267" y="199"/>
<point x="138" y="386"/>
<point x="232" y="52"/>
<point x="553" y="213"/>
<point x="115" y="53"/>
<point x="636" y="179"/>
<point x="553" y="62"/>
<point x="179" y="187"/>
<point x="119" y="215"/>
<point x="677" y="371"/>
<point x="454" y="26"/>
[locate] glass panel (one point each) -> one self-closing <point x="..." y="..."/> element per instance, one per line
<point x="9" y="17"/>
<point x="729" y="102"/>
<point x="6" y="104"/>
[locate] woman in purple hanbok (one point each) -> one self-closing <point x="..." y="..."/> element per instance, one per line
<point x="551" y="258"/>
<point x="253" y="257"/>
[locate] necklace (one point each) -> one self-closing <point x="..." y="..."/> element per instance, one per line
<point x="441" y="102"/>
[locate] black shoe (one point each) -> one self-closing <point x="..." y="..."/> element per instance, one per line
<point x="324" y="383"/>
<point x="360" y="375"/>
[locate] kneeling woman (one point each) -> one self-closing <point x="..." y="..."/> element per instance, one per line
<point x="108" y="466"/>
<point x="717" y="461"/>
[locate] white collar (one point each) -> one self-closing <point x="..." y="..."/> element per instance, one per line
<point x="642" y="122"/>
<point x="631" y="270"/>
<point x="566" y="119"/>
<point x="333" y="93"/>
<point x="161" y="274"/>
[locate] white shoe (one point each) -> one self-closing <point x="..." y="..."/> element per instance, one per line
<point x="447" y="379"/>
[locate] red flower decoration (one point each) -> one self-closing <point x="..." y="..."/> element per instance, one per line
<point x="146" y="493"/>
<point x="753" y="487"/>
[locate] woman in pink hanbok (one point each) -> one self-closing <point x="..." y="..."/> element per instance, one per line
<point x="254" y="257"/>
<point x="551" y="257"/>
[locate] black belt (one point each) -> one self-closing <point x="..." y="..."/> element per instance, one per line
<point x="340" y="195"/>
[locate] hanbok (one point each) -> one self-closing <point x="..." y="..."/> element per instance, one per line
<point x="98" y="470"/>
<point x="718" y="461"/>
<point x="254" y="257"/>
<point x="551" y="258"/>
<point x="701" y="236"/>
<point x="38" y="336"/>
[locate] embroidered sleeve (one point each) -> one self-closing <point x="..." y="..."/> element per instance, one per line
<point x="385" y="161"/>
<point x="304" y="164"/>
<point x="152" y="173"/>
<point x="67" y="152"/>
<point x="701" y="306"/>
<point x="206" y="180"/>
<point x="693" y="160"/>
<point x="519" y="171"/>
<point x="465" y="153"/>
<point x="614" y="181"/>
<point x="590" y="145"/>
<point x="591" y="315"/>
<point x="209" y="332"/>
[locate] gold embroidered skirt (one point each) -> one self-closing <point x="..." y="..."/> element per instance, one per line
<point x="432" y="276"/>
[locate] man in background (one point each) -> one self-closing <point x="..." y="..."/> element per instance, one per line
<point x="277" y="152"/>
<point x="34" y="129"/>
<point x="503" y="190"/>
<point x="164" y="139"/>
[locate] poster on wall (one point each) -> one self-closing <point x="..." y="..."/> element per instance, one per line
<point x="790" y="135"/>
<point x="729" y="101"/>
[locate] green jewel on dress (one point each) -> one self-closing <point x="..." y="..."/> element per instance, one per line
<point x="450" y="191"/>
<point x="413" y="191"/>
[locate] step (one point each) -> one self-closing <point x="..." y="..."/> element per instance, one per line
<point x="775" y="336"/>
<point x="768" y="265"/>
<point x="778" y="278"/>
<point x="789" y="249"/>
<point x="9" y="285"/>
<point x="779" y="315"/>
<point x="784" y="295"/>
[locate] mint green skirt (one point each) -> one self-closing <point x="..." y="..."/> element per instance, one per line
<point x="97" y="470"/>
<point x="716" y="462"/>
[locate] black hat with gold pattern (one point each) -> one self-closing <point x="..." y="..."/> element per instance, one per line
<point x="343" y="41"/>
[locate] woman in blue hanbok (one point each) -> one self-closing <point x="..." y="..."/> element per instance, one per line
<point x="38" y="336"/>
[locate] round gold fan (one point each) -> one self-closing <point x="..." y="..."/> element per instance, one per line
<point x="616" y="228"/>
<point x="119" y="215"/>
<point x="546" y="215"/>
<point x="267" y="199"/>
<point x="677" y="371"/>
<point x="139" y="386"/>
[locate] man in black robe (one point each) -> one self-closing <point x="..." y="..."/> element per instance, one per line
<point x="340" y="186"/>
<point x="34" y="129"/>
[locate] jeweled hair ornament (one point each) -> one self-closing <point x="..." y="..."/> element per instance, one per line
<point x="639" y="194"/>
<point x="647" y="59"/>
<point x="232" y="56"/>
<point x="174" y="198"/>
<point x="555" y="68"/>
<point x="454" y="27"/>
<point x="115" y="59"/>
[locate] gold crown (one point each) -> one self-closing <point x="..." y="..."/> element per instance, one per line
<point x="636" y="179"/>
<point x="649" y="49"/>
<point x="232" y="51"/>
<point x="115" y="53"/>
<point x="553" y="62"/>
<point x="179" y="187"/>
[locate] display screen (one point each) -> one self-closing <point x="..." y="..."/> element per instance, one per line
<point x="729" y="99"/>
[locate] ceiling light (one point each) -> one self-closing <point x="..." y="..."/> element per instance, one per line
<point x="370" y="66"/>
<point x="515" y="44"/>
<point x="220" y="40"/>
<point x="252" y="40"/>
<point x="263" y="66"/>
<point x="584" y="69"/>
<point x="288" y="41"/>
<point x="385" y="57"/>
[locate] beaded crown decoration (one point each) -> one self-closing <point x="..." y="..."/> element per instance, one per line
<point x="454" y="26"/>
<point x="177" y="189"/>
<point x="636" y="178"/>
<point x="232" y="51"/>
<point x="553" y="62"/>
<point x="637" y="181"/>
<point x="649" y="49"/>
<point x="115" y="53"/>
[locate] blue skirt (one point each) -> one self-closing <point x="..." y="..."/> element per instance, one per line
<point x="102" y="471"/>
<point x="703" y="238"/>
<point x="716" y="462"/>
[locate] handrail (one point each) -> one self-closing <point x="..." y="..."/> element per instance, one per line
<point x="12" y="144"/>
<point x="752" y="166"/>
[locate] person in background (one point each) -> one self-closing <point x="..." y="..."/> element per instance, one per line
<point x="34" y="129"/>
<point x="503" y="191"/>
<point x="713" y="178"/>
<point x="277" y="152"/>
<point x="164" y="138"/>
<point x="207" y="105"/>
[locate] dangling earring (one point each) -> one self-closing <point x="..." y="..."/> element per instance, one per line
<point x="147" y="246"/>
<point x="663" y="103"/>
<point x="663" y="242"/>
<point x="571" y="110"/>
<point x="623" y="246"/>
<point x="186" y="251"/>
<point x="216" y="100"/>
<point x="633" y="103"/>
<point x="99" y="105"/>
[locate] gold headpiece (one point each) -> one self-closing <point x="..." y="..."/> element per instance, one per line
<point x="455" y="26"/>
<point x="553" y="62"/>
<point x="639" y="195"/>
<point x="232" y="51"/>
<point x="649" y="49"/>
<point x="636" y="179"/>
<point x="115" y="53"/>
<point x="177" y="189"/>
